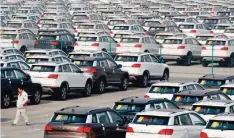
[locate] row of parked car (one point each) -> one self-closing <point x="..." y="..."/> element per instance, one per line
<point x="175" y="34"/>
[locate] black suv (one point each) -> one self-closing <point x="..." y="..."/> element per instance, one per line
<point x="128" y="107"/>
<point x="185" y="99"/>
<point x="55" y="39"/>
<point x="86" y="122"/>
<point x="105" y="72"/>
<point x="11" y="80"/>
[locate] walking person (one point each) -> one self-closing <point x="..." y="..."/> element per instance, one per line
<point x="21" y="106"/>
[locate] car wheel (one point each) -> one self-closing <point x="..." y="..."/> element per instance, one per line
<point x="145" y="80"/>
<point x="124" y="83"/>
<point x="88" y="89"/>
<point x="230" y="61"/>
<point x="204" y="63"/>
<point x="221" y="64"/>
<point x="36" y="98"/>
<point x="101" y="86"/>
<point x="62" y="94"/>
<point x="188" y="60"/>
<point x="23" y="49"/>
<point x="6" y="100"/>
<point x="165" y="75"/>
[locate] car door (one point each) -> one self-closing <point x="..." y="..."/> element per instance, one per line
<point x="180" y="130"/>
<point x="154" y="46"/>
<point x="109" y="71"/>
<point x="25" y="80"/>
<point x="14" y="82"/>
<point x="67" y="75"/>
<point x="112" y="45"/>
<point x="24" y="66"/>
<point x="198" y="123"/>
<point x="105" y="43"/>
<point x="64" y="42"/>
<point x="158" y="68"/>
<point x="32" y="39"/>
<point x="79" y="78"/>
<point x="149" y="65"/>
<point x="117" y="73"/>
<point x="197" y="48"/>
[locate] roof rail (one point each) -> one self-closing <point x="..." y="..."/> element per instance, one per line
<point x="129" y="98"/>
<point x="69" y="107"/>
<point x="209" y="75"/>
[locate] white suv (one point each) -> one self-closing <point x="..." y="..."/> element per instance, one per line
<point x="173" y="123"/>
<point x="210" y="108"/>
<point x="220" y="126"/>
<point x="59" y="79"/>
<point x="181" y="49"/>
<point x="142" y="67"/>
<point x="228" y="89"/>
<point x="167" y="89"/>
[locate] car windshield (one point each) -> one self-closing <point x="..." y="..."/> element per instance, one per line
<point x="130" y="40"/>
<point x="217" y="27"/>
<point x="227" y="90"/>
<point x="36" y="60"/>
<point x="186" y="26"/>
<point x="151" y="23"/>
<point x="161" y="37"/>
<point x="157" y="28"/>
<point x="126" y="58"/>
<point x="79" y="17"/>
<point x="85" y="26"/>
<point x="49" y="25"/>
<point x="220" y="125"/>
<point x="129" y="107"/>
<point x="115" y="22"/>
<point x="121" y="28"/>
<point x="173" y="41"/>
<point x="151" y="120"/>
<point x="208" y="110"/>
<point x="229" y="31"/>
<point x="20" y="18"/>
<point x="164" y="89"/>
<point x="215" y="42"/>
<point x="14" y="25"/>
<point x="178" y="20"/>
<point x="69" y="118"/>
<point x="211" y="21"/>
<point x="42" y="68"/>
<point x="86" y="38"/>
<point x="83" y="63"/>
<point x="210" y="83"/>
<point x="8" y="36"/>
<point x="186" y="99"/>
<point x="120" y="35"/>
<point x="78" y="55"/>
<point x="203" y="38"/>
<point x="47" y="37"/>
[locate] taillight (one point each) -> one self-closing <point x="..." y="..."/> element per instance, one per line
<point x="75" y="31"/>
<point x="224" y="48"/>
<point x="193" y="31"/>
<point x="48" y="128"/>
<point x="146" y="33"/>
<point x="83" y="129"/>
<point x="87" y="18"/>
<point x="95" y="44"/>
<point x="203" y="135"/>
<point x="161" y="47"/>
<point x="15" y="41"/>
<point x="54" y="43"/>
<point x="181" y="47"/>
<point x="184" y="12"/>
<point x="130" y="130"/>
<point x="146" y="96"/>
<point x="53" y="76"/>
<point x="118" y="45"/>
<point x="136" y="65"/>
<point x="76" y="44"/>
<point x="91" y="70"/>
<point x="138" y="45"/>
<point x="211" y="32"/>
<point x="111" y="32"/>
<point x="166" y="132"/>
<point x="211" y="12"/>
<point x="36" y="43"/>
<point x="203" y="48"/>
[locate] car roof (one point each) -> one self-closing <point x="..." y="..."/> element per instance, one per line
<point x="133" y="54"/>
<point x="137" y="100"/>
<point x="224" y="117"/>
<point x="176" y="84"/>
<point x="216" y="77"/>
<point x="197" y="93"/>
<point x="43" y="50"/>
<point x="163" y="112"/>
<point x="220" y="103"/>
<point x="228" y="85"/>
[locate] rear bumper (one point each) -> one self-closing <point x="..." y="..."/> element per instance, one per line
<point x="172" y="57"/>
<point x="215" y="59"/>
<point x="50" y="89"/>
<point x="133" y="78"/>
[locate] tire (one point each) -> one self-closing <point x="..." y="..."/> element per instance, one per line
<point x="204" y="63"/>
<point x="23" y="49"/>
<point x="36" y="97"/>
<point x="101" y="86"/>
<point x="222" y="64"/>
<point x="230" y="61"/>
<point x="178" y="62"/>
<point x="166" y="75"/>
<point x="188" y="59"/>
<point x="62" y="93"/>
<point x="124" y="83"/>
<point x="6" y="100"/>
<point x="88" y="89"/>
<point x="145" y="80"/>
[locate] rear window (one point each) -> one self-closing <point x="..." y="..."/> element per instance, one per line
<point x="87" y="39"/>
<point x="229" y="31"/>
<point x="186" y="26"/>
<point x="126" y="58"/>
<point x="82" y="63"/>
<point x="215" y="42"/>
<point x="120" y="35"/>
<point x="164" y="89"/>
<point x="173" y="41"/>
<point x="151" y="23"/>
<point x="32" y="53"/>
<point x="47" y="37"/>
<point x="206" y="110"/>
<point x="157" y="28"/>
<point x="186" y="99"/>
<point x="161" y="36"/>
<point x="49" y="25"/>
<point x="36" y="60"/>
<point x="211" y="21"/>
<point x="130" y="40"/>
<point x="22" y="11"/>
<point x="8" y="36"/>
<point x="20" y="18"/>
<point x="178" y="20"/>
<point x="115" y="22"/>
<point x="14" y="25"/>
<point x="85" y="26"/>
<point x="210" y="83"/>
<point x="129" y="107"/>
<point x="220" y="125"/>
<point x="78" y="55"/>
<point x="79" y="17"/>
<point x="40" y="68"/>
<point x="69" y="118"/>
<point x="203" y="38"/>
<point x="227" y="90"/>
<point x="220" y="27"/>
<point x="151" y="120"/>
<point x="46" y="21"/>
<point x="121" y="28"/>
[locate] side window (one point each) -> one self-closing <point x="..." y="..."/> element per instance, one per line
<point x="66" y="68"/>
<point x="103" y="118"/>
<point x="197" y="120"/>
<point x="105" y="39"/>
<point x="185" y="88"/>
<point x="195" y="42"/>
<point x="185" y="120"/>
<point x="29" y="25"/>
<point x="170" y="105"/>
<point x="20" y="75"/>
<point x="10" y="74"/>
<point x="115" y="118"/>
<point x="13" y="65"/>
<point x="111" y="63"/>
<point x="24" y="66"/>
<point x="64" y="59"/>
<point x="147" y="58"/>
<point x="153" y="41"/>
<point x="223" y="97"/>
<point x="111" y="40"/>
<point x="103" y="63"/>
<point x="176" y="121"/>
<point x="25" y="36"/>
<point x="20" y="36"/>
<point x="199" y="87"/>
<point x="57" y="59"/>
<point x="64" y="38"/>
<point x="94" y="118"/>
<point x="31" y="37"/>
<point x="147" y="40"/>
<point x="191" y="87"/>
<point x="157" y="106"/>
<point x="74" y="68"/>
<point x="232" y="109"/>
<point x="34" y="25"/>
<point x="214" y="97"/>
<point x="154" y="59"/>
<point x="107" y="56"/>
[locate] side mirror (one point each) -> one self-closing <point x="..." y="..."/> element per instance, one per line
<point x="76" y="39"/>
<point x="119" y="66"/>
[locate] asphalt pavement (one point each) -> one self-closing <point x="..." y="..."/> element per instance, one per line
<point x="40" y="114"/>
